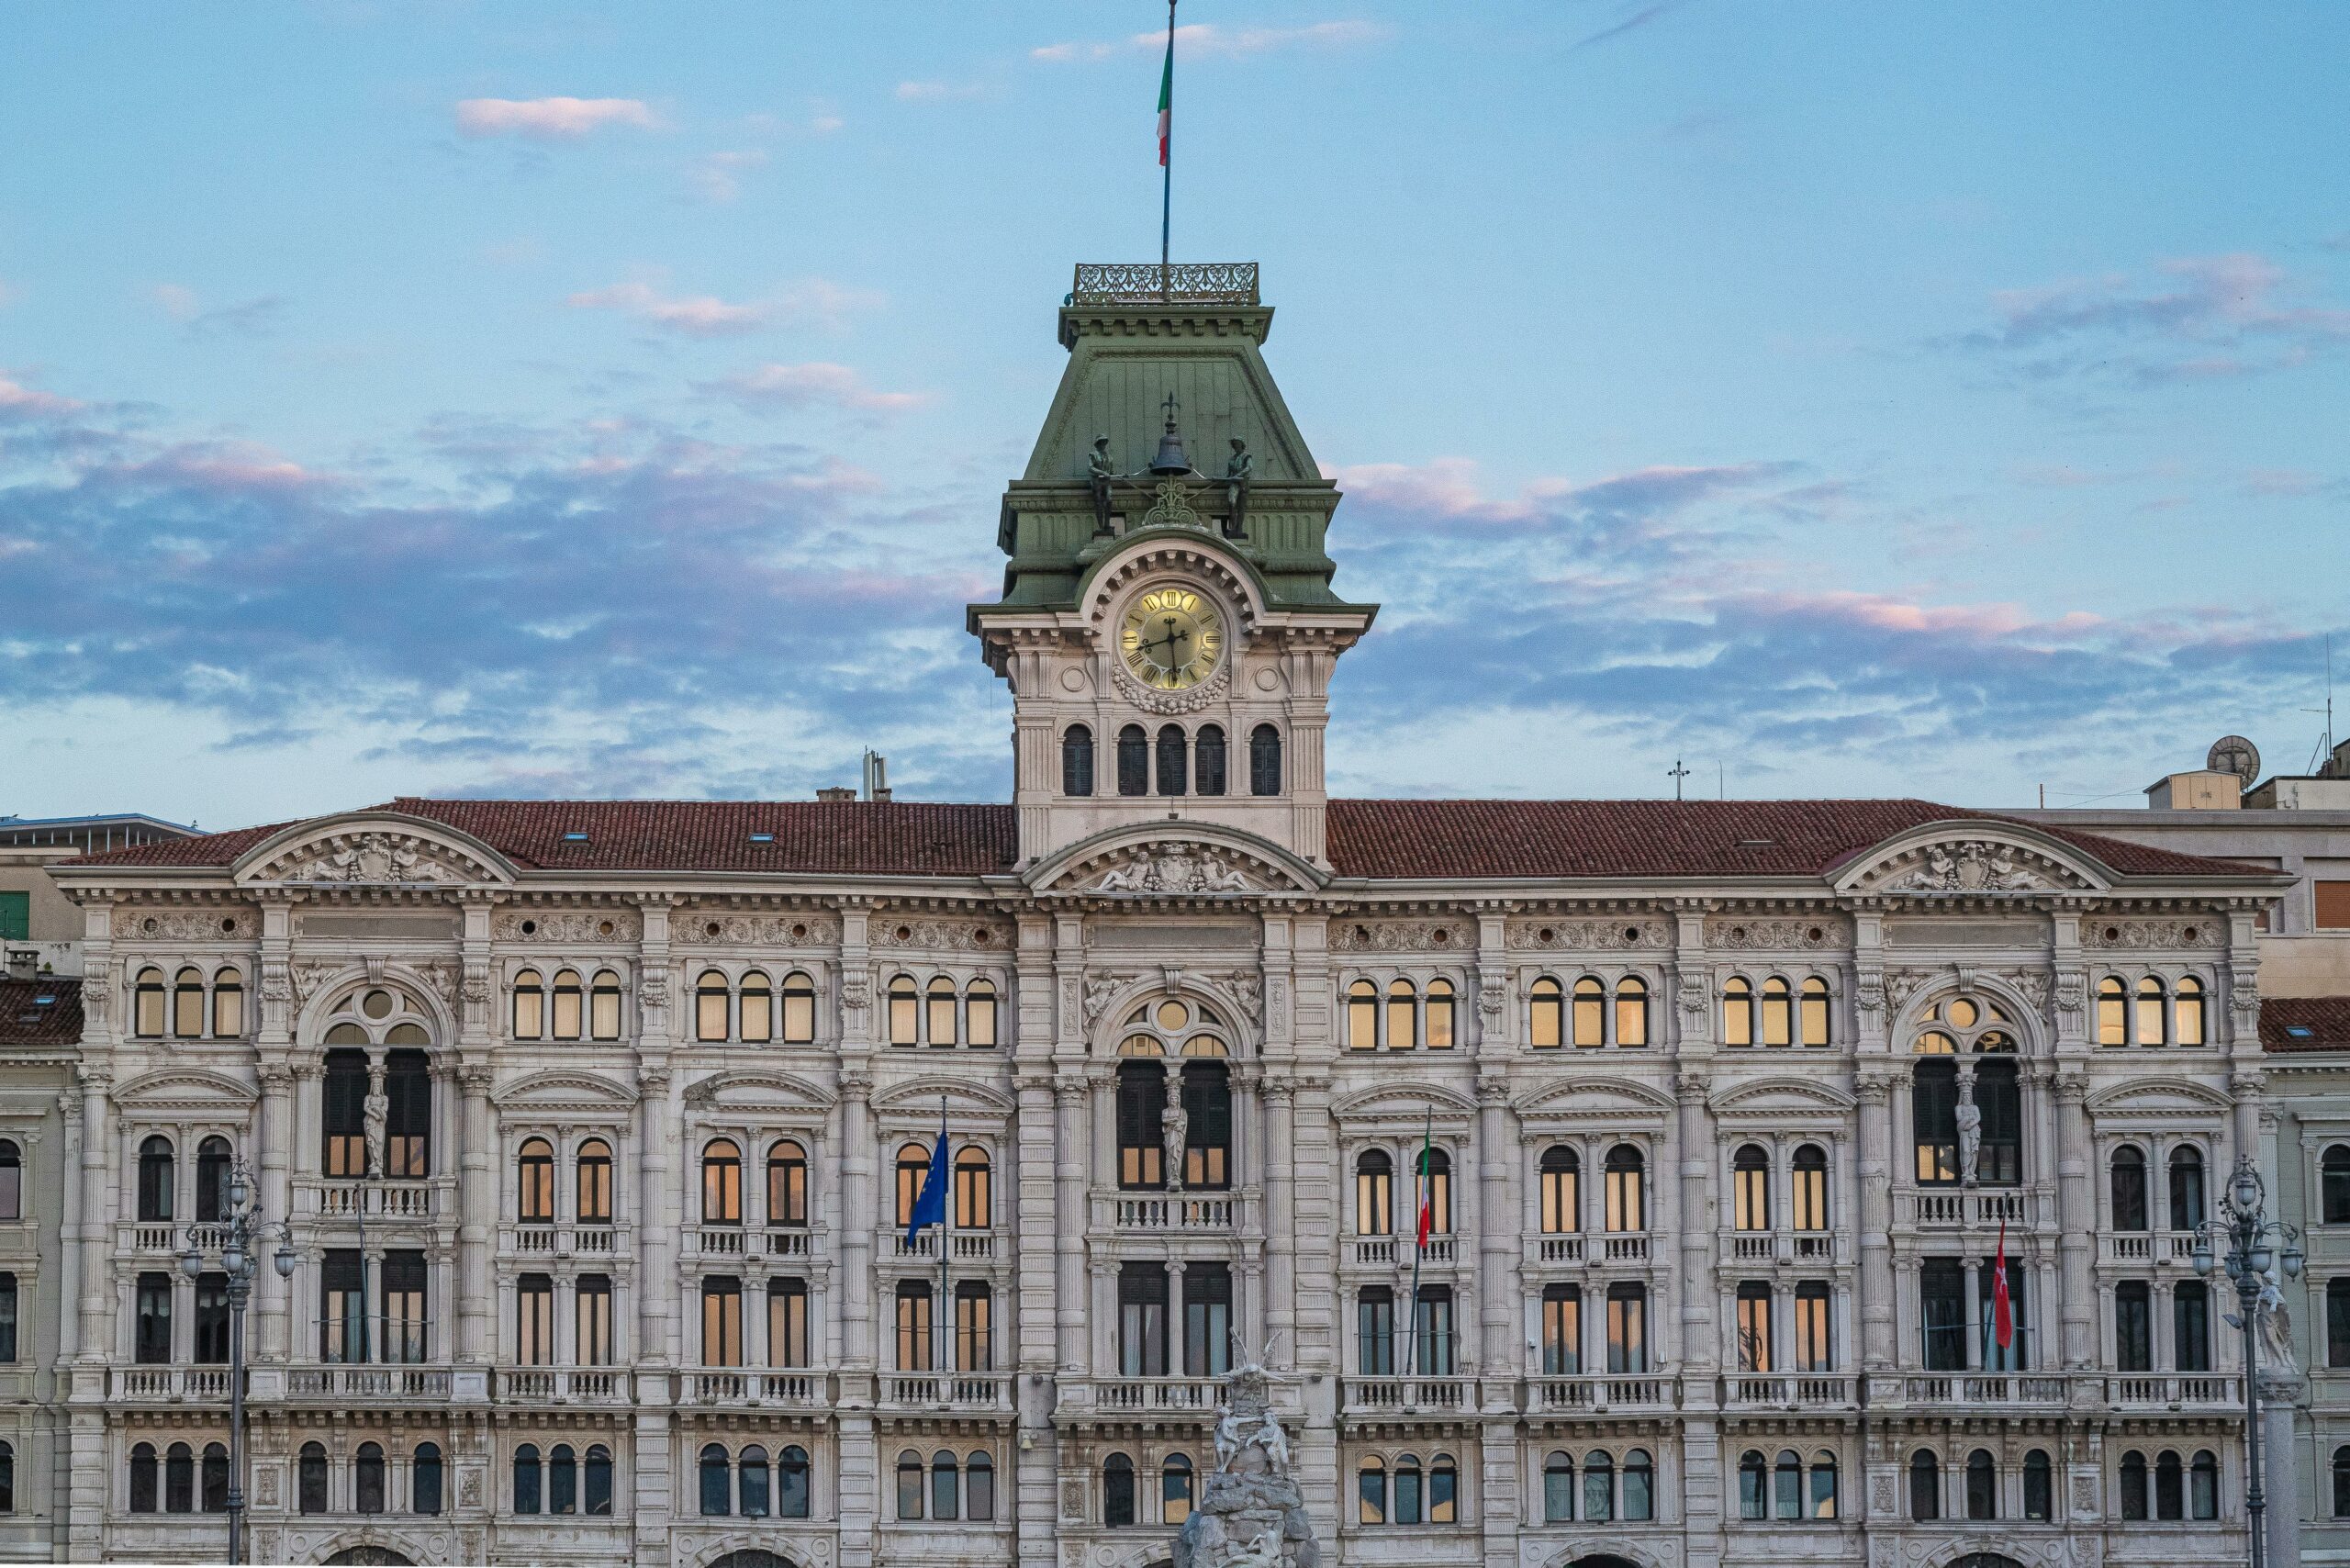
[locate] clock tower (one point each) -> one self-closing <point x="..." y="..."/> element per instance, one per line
<point x="1168" y="625"/>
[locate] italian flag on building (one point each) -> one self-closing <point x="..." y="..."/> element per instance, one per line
<point x="1166" y="98"/>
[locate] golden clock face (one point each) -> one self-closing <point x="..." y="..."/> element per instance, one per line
<point x="1172" y="638"/>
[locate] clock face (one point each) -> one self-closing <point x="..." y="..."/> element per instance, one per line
<point x="1172" y="638"/>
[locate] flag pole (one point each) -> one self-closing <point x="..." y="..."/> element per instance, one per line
<point x="1419" y="1207"/>
<point x="945" y="1301"/>
<point x="1167" y="159"/>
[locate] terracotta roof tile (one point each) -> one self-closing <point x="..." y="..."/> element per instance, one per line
<point x="44" y="1012"/>
<point x="2305" y="1023"/>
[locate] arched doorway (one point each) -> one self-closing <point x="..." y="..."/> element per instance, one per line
<point x="1983" y="1559"/>
<point x="752" y="1557"/>
<point x="1603" y="1560"/>
<point x="369" y="1556"/>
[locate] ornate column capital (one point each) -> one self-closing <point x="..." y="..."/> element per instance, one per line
<point x="854" y="1085"/>
<point x="1276" y="1090"/>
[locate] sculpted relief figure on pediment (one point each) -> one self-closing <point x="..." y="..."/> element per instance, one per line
<point x="377" y="857"/>
<point x="1170" y="867"/>
<point x="1971" y="865"/>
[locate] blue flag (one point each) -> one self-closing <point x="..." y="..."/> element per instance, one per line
<point x="930" y="1206"/>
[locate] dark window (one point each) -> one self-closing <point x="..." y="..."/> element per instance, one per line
<point x="1432" y="1332"/>
<point x="1628" y="1329"/>
<point x="2039" y="1486"/>
<point x="526" y="1476"/>
<point x="2170" y="1487"/>
<point x="213" y="1482"/>
<point x="1942" y="1293"/>
<point x="1375" y="1331"/>
<point x="2190" y="1327"/>
<point x="1117" y="1490"/>
<point x="212" y="1166"/>
<point x="1133" y="770"/>
<point x="1207" y="1135"/>
<point x="152" y="1324"/>
<point x="424" y="1479"/>
<point x="143" y="1476"/>
<point x="1207" y="1319"/>
<point x="311" y="1479"/>
<point x="2000" y="1161"/>
<point x="2010" y="1358"/>
<point x="342" y="1327"/>
<point x="974" y="1326"/>
<point x="11" y="1181"/>
<point x="915" y="1352"/>
<point x="2128" y="1186"/>
<point x="7" y="1317"/>
<point x="1142" y="1320"/>
<point x="2204" y="1487"/>
<point x="407" y="1129"/>
<point x="2341" y="1482"/>
<point x="1933" y="1118"/>
<point x="2134" y="1329"/>
<point x="1142" y="1108"/>
<point x="910" y="1486"/>
<point x="1077" y="760"/>
<point x="1264" y="760"/>
<point x="343" y="1113"/>
<point x="403" y="1308"/>
<point x="945" y="1485"/>
<point x="563" y="1480"/>
<point x="2337" y="1323"/>
<point x="1558" y="1488"/>
<point x="1925" y="1485"/>
<point x="1562" y="1330"/>
<point x="1982" y="1486"/>
<point x="1209" y="766"/>
<point x="2185" y="1189"/>
<point x="211" y="1320"/>
<point x="751" y="1482"/>
<point x="717" y="1480"/>
<point x="787" y="1322"/>
<point x="155" y="1179"/>
<point x="792" y="1484"/>
<point x="1753" y="1483"/>
<point x="2334" y="1179"/>
<point x="179" y="1479"/>
<point x="1640" y="1485"/>
<point x="1173" y="759"/>
<point x="368" y="1474"/>
<point x="1407" y="1509"/>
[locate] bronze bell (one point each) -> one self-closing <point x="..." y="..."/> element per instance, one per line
<point x="1171" y="459"/>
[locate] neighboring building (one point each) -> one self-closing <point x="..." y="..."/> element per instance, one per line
<point x="40" y="1036"/>
<point x="599" y="1123"/>
<point x="40" y="931"/>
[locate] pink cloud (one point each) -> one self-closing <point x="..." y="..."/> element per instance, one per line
<point x="550" y="119"/>
<point x="700" y="316"/>
<point x="18" y="402"/>
<point x="805" y="386"/>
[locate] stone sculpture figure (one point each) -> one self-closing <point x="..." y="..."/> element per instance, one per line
<point x="1097" y="478"/>
<point x="2276" y="1355"/>
<point x="1250" y="1513"/>
<point x="1174" y="1126"/>
<point x="1970" y="1136"/>
<point x="375" y="1114"/>
<point x="1237" y="474"/>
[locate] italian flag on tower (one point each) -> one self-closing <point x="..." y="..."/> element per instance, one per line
<point x="1167" y="89"/>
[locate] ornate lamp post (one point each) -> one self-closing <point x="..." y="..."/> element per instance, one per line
<point x="2247" y="1239"/>
<point x="239" y="1261"/>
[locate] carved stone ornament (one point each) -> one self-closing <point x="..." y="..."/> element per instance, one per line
<point x="218" y="925"/>
<point x="1969" y="865"/>
<point x="1900" y="985"/>
<point x="1585" y="936"/>
<point x="791" y="929"/>
<point x="2139" y="934"/>
<point x="1247" y="989"/>
<point x="1400" y="936"/>
<point x="567" y="926"/>
<point x="1169" y="866"/>
<point x="653" y="986"/>
<point x="2033" y="985"/>
<point x="1868" y="990"/>
<point x="309" y="977"/>
<point x="951" y="935"/>
<point x="1190" y="699"/>
<point x="1801" y="933"/>
<point x="374" y="856"/>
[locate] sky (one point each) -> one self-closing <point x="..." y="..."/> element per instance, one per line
<point x="594" y="399"/>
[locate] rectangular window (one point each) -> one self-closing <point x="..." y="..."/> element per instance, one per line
<point x="787" y="1323"/>
<point x="212" y="1320"/>
<point x="342" y="1309"/>
<point x="974" y="1327"/>
<point x="1933" y="1112"/>
<point x="2134" y="1329"/>
<point x="2337" y="1323"/>
<point x="1995" y="1359"/>
<point x="534" y="1321"/>
<point x="1375" y="1331"/>
<point x="153" y="1324"/>
<point x="592" y="1320"/>
<point x="404" y="1292"/>
<point x="16" y="917"/>
<point x="1562" y="1330"/>
<point x="2333" y="905"/>
<point x="343" y="1102"/>
<point x="721" y="1322"/>
<point x="1432" y="1332"/>
<point x="913" y="1327"/>
<point x="1142" y="1320"/>
<point x="2190" y="1327"/>
<point x="1942" y="1301"/>
<point x="408" y="1084"/>
<point x="1815" y="1334"/>
<point x="7" y="1317"/>
<point x="1207" y="1320"/>
<point x="1627" y="1329"/>
<point x="1754" y="1328"/>
<point x="1142" y="1106"/>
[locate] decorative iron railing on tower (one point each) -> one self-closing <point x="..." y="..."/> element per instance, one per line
<point x="1183" y="283"/>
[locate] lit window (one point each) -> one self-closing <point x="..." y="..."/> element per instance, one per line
<point x="1738" y="1012"/>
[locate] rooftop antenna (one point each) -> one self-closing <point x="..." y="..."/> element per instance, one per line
<point x="2326" y="744"/>
<point x="1676" y="773"/>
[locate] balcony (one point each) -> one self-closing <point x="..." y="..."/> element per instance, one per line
<point x="1555" y="1248"/>
<point x="2173" y="1391"/>
<point x="1158" y="1394"/>
<point x="1945" y="1208"/>
<point x="1623" y="1247"/>
<point x="964" y="1246"/>
<point x="2158" y="1247"/>
<point x="563" y="1386"/>
<point x="978" y="1392"/>
<point x="367" y="1381"/>
<point x="174" y="1385"/>
<point x="1200" y="1213"/>
<point x="745" y="1389"/>
<point x="1772" y="1249"/>
<point x="561" y="1241"/>
<point x="1777" y="1391"/>
<point x="384" y="1201"/>
<point x="1975" y="1390"/>
<point x="1395" y="1251"/>
<point x="1408" y="1395"/>
<point x="1597" y="1394"/>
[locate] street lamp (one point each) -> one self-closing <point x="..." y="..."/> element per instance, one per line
<point x="2249" y="1239"/>
<point x="240" y="1261"/>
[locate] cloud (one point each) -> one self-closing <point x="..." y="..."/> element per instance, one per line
<point x="2208" y="318"/>
<point x="808" y="386"/>
<point x="1208" y="41"/>
<point x="805" y="302"/>
<point x="20" y="402"/>
<point x="254" y="318"/>
<point x="550" y="119"/>
<point x="714" y="176"/>
<point x="937" y="92"/>
<point x="1635" y="19"/>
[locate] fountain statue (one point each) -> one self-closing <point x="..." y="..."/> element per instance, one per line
<point x="1250" y="1513"/>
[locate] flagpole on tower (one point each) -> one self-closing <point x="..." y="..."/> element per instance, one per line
<point x="1166" y="158"/>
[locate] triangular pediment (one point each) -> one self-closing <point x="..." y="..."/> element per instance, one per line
<point x="1174" y="860"/>
<point x="1970" y="856"/>
<point x="372" y="849"/>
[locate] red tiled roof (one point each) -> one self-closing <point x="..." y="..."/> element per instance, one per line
<point x="26" y="1020"/>
<point x="1380" y="839"/>
<point x="2305" y="1023"/>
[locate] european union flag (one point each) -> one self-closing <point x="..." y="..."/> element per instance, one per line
<point x="930" y="1205"/>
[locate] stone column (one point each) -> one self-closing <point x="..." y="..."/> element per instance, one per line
<point x="2280" y="1393"/>
<point x="96" y="1337"/>
<point x="1875" y="1171"/>
<point x="1281" y="1218"/>
<point x="1072" y="1152"/>
<point x="69" y="1225"/>
<point x="477" y="1172"/>
<point x="858" y="1179"/>
<point x="272" y="1296"/>
<point x="1694" y="1131"/>
<point x="2076" y="1221"/>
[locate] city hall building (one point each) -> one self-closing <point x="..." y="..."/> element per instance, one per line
<point x="1605" y="1182"/>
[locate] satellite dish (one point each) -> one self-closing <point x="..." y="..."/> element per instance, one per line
<point x="2233" y="754"/>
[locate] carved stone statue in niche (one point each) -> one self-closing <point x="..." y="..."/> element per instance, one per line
<point x="1097" y="478"/>
<point x="1237" y="475"/>
<point x="1970" y="1132"/>
<point x="1174" y="1131"/>
<point x="375" y="1115"/>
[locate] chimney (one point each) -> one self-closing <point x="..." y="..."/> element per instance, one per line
<point x="837" y="792"/>
<point x="24" y="963"/>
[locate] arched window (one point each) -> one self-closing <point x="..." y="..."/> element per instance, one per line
<point x="1370" y="1492"/>
<point x="424" y="1479"/>
<point x="1362" y="1016"/>
<point x="1546" y="1015"/>
<point x="1444" y="1490"/>
<point x="1808" y="1199"/>
<point x="913" y="1165"/>
<point x="2203" y="1482"/>
<point x="751" y="1482"/>
<point x="1562" y="1191"/>
<point x="2129" y="1188"/>
<point x="1173" y="759"/>
<point x="310" y="1479"/>
<point x="1408" y="1506"/>
<point x="2341" y="1482"/>
<point x="710" y="1006"/>
<point x="757" y="1009"/>
<point x="187" y="1005"/>
<point x="1786" y="1486"/>
<point x="1440" y="1015"/>
<point x="2153" y="1025"/>
<point x="1590" y="1016"/>
<point x="143" y="1476"/>
<point x="1077" y="760"/>
<point x="1558" y="1486"/>
<point x="1599" y="1486"/>
<point x="791" y="1488"/>
<point x="11" y="1181"/>
<point x="2186" y="1012"/>
<point x="1753" y="1485"/>
<point x="1402" y="1016"/>
<point x="1631" y="1010"/>
<point x="788" y="1185"/>
<point x="1823" y="1486"/>
<point x="721" y="1182"/>
<point x="567" y="1009"/>
<point x="157" y="1178"/>
<point x="213" y="1165"/>
<point x="973" y="1194"/>
<point x="1208" y="765"/>
<point x="1374" y="1194"/>
<point x="1738" y="1012"/>
<point x="1778" y="1013"/>
<point x="978" y="1015"/>
<point x="599" y="1480"/>
<point x="1117" y="1491"/>
<point x="2333" y="1183"/>
<point x="2039" y="1487"/>
<point x="2113" y="1019"/>
<point x="799" y="1010"/>
<point x="1264" y="760"/>
<point x="367" y="1472"/>
<point x="594" y="1182"/>
<point x="1817" y="1018"/>
<point x="529" y="1007"/>
<point x="2133" y="1486"/>
<point x="1626" y="1202"/>
<point x="534" y="1172"/>
<point x="717" y="1480"/>
<point x="1925" y="1485"/>
<point x="179" y="1479"/>
<point x="942" y="1012"/>
<point x="945" y="1485"/>
<point x="604" y="1006"/>
<point x="1750" y="1188"/>
<point x="2170" y="1486"/>
<point x="229" y="1004"/>
<point x="2186" y="1188"/>
<point x="1133" y="762"/>
<point x="1435" y="1174"/>
<point x="212" y="1482"/>
<point x="908" y="1484"/>
<point x="147" y="1003"/>
<point x="905" y="1011"/>
<point x="1174" y="1488"/>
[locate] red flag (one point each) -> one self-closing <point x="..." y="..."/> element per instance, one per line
<point x="1427" y="1180"/>
<point x="2003" y="1312"/>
